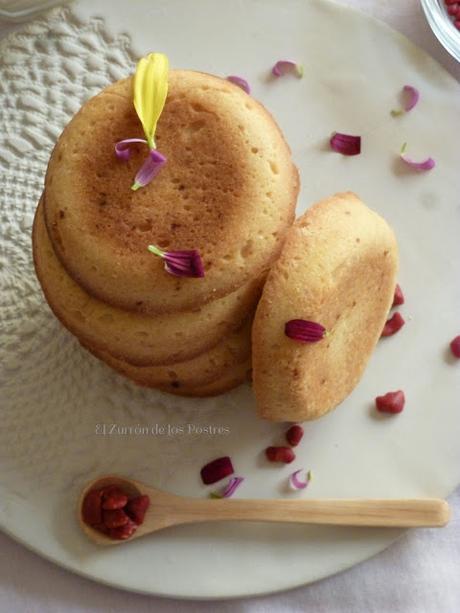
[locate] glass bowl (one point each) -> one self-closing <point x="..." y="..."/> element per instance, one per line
<point x="442" y="25"/>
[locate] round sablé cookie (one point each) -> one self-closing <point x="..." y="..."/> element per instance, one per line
<point x="133" y="337"/>
<point x="228" y="189"/>
<point x="223" y="362"/>
<point x="233" y="377"/>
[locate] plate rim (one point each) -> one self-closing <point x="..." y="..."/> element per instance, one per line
<point x="183" y="597"/>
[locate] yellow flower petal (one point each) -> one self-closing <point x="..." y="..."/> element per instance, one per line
<point x="150" y="91"/>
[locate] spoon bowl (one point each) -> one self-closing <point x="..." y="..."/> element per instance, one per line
<point x="129" y="486"/>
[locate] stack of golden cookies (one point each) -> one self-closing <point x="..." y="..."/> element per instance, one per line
<point x="227" y="190"/>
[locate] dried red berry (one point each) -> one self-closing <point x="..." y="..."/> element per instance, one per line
<point x="216" y="470"/>
<point x="137" y="508"/>
<point x="115" y="518"/>
<point x="398" y="296"/>
<point x="123" y="532"/>
<point x="102" y="528"/>
<point x="92" y="507"/>
<point x="395" y="323"/>
<point x="280" y="454"/>
<point x="103" y="510"/>
<point x="455" y="346"/>
<point x="392" y="402"/>
<point x="294" y="435"/>
<point x="114" y="498"/>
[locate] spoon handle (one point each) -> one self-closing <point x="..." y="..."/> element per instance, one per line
<point x="355" y="512"/>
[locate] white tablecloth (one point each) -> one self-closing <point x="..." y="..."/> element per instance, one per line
<point x="419" y="574"/>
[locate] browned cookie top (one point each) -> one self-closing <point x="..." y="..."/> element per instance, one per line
<point x="228" y="190"/>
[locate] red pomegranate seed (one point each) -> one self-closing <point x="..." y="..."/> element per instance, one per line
<point x="395" y="323"/>
<point x="280" y="454"/>
<point x="449" y="2"/>
<point x="392" y="402"/>
<point x="457" y="24"/>
<point x="123" y="532"/>
<point x="398" y="296"/>
<point x="115" y="518"/>
<point x="114" y="498"/>
<point x="294" y="435"/>
<point x="92" y="507"/>
<point x="137" y="508"/>
<point x="455" y="346"/>
<point x="216" y="470"/>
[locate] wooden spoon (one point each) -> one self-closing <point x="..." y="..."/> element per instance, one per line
<point x="170" y="510"/>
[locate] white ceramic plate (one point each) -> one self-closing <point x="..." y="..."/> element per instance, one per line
<point x="55" y="397"/>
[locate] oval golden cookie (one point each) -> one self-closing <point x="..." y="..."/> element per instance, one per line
<point x="338" y="268"/>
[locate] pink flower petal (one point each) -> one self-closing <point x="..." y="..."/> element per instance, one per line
<point x="283" y="67"/>
<point x="149" y="169"/>
<point x="304" y="331"/>
<point x="242" y="83"/>
<point x="229" y="489"/>
<point x="413" y="96"/>
<point x="122" y="148"/>
<point x="427" y="164"/>
<point x="296" y="483"/>
<point x="346" y="144"/>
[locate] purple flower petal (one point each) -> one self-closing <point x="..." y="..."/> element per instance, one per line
<point x="184" y="263"/>
<point x="122" y="148"/>
<point x="229" y="489"/>
<point x="149" y="169"/>
<point x="242" y="83"/>
<point x="296" y="483"/>
<point x="304" y="331"/>
<point x="283" y="67"/>
<point x="413" y="96"/>
<point x="346" y="144"/>
<point x="180" y="263"/>
<point x="427" y="164"/>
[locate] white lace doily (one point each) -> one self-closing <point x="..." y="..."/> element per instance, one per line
<point x="53" y="392"/>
